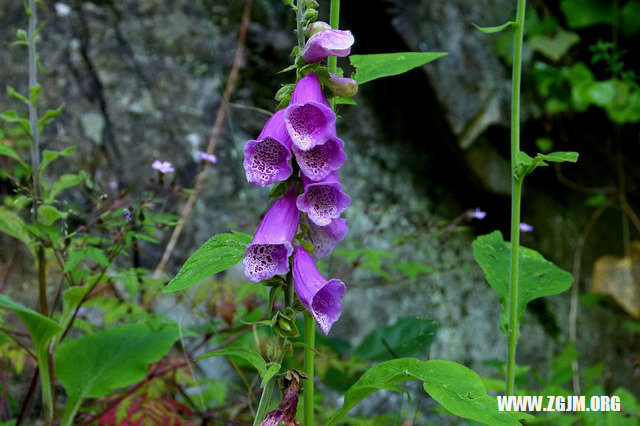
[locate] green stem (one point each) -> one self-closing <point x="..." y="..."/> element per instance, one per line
<point x="516" y="196"/>
<point x="334" y="21"/>
<point x="265" y="399"/>
<point x="299" y="29"/>
<point x="309" y="345"/>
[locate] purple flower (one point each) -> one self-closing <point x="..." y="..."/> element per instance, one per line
<point x="476" y="214"/>
<point x="318" y="296"/>
<point x="325" y="238"/>
<point x="163" y="167"/>
<point x="342" y="86"/>
<point x="309" y="118"/>
<point x="288" y="408"/>
<point x="208" y="157"/>
<point x="267" y="159"/>
<point x="319" y="161"/>
<point x="328" y="43"/>
<point x="268" y="254"/>
<point x="526" y="228"/>
<point x="127" y="215"/>
<point x="324" y="200"/>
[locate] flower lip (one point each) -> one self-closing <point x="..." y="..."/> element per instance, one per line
<point x="267" y="159"/>
<point x="318" y="162"/>
<point x="319" y="296"/>
<point x="324" y="200"/>
<point x="268" y="254"/>
<point x="328" y="43"/>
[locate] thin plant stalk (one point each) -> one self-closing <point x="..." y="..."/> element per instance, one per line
<point x="516" y="197"/>
<point x="334" y="21"/>
<point x="309" y="347"/>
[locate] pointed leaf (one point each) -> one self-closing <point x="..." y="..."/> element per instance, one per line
<point x="222" y="251"/>
<point x="13" y="225"/>
<point x="538" y="276"/>
<point x="8" y="151"/>
<point x="406" y="337"/>
<point x="266" y="370"/>
<point x="41" y="329"/>
<point x="372" y="67"/>
<point x="496" y="29"/>
<point x="49" y="156"/>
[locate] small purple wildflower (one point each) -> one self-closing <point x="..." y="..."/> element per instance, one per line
<point x="318" y="296"/>
<point x="526" y="228"/>
<point x="476" y="214"/>
<point x="163" y="167"/>
<point x="208" y="157"/>
<point x="127" y="215"/>
<point x="268" y="254"/>
<point x="309" y="118"/>
<point x="323" y="201"/>
<point x="267" y="159"/>
<point x="327" y="43"/>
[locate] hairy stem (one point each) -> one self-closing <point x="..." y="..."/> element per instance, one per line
<point x="334" y="21"/>
<point x="516" y="196"/>
<point x="299" y="18"/>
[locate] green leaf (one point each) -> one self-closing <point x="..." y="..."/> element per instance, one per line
<point x="497" y="29"/>
<point x="41" y="329"/>
<point x="585" y="13"/>
<point x="15" y="94"/>
<point x="14" y="117"/>
<point x="527" y="165"/>
<point x="222" y="251"/>
<point x="13" y="225"/>
<point x="49" y="156"/>
<point x="413" y="269"/>
<point x="458" y="389"/>
<point x="97" y="364"/>
<point x="65" y="182"/>
<point x="49" y="215"/>
<point x="538" y="276"/>
<point x="372" y="67"/>
<point x="266" y="370"/>
<point x="7" y="151"/>
<point x="79" y="253"/>
<point x="369" y="259"/>
<point x="406" y="337"/>
<point x="344" y="101"/>
<point x="554" y="47"/>
<point x="278" y="191"/>
<point x="48" y="117"/>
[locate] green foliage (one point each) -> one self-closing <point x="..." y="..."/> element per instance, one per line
<point x="65" y="182"/>
<point x="372" y="67"/>
<point x="265" y="369"/>
<point x="554" y="47"/>
<point x="369" y="259"/>
<point x="404" y="338"/>
<point x="458" y="389"/>
<point x="97" y="364"/>
<point x="526" y="164"/>
<point x="41" y="329"/>
<point x="13" y="225"/>
<point x="222" y="251"/>
<point x="538" y="276"/>
<point x="496" y="29"/>
<point x="7" y="151"/>
<point x="50" y="156"/>
<point x="585" y="13"/>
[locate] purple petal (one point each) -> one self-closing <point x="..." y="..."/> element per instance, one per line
<point x="324" y="200"/>
<point x="163" y="167"/>
<point x="325" y="238"/>
<point x="268" y="254"/>
<point x="319" y="161"/>
<point x="309" y="118"/>
<point x="328" y="43"/>
<point x="319" y="296"/>
<point x="208" y="157"/>
<point x="525" y="227"/>
<point x="267" y="159"/>
<point x="476" y="214"/>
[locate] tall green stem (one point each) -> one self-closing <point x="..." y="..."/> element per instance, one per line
<point x="309" y="346"/>
<point x="516" y="196"/>
<point x="334" y="21"/>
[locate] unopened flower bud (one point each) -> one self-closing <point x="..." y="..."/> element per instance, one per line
<point x="284" y="324"/>
<point x="310" y="15"/>
<point x="311" y="4"/>
<point x="316" y="27"/>
<point x="342" y="86"/>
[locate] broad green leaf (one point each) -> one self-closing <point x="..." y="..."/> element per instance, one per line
<point x="49" y="156"/>
<point x="585" y="13"/>
<point x="97" y="364"/>
<point x="49" y="214"/>
<point x="372" y="67"/>
<point x="527" y="165"/>
<point x="7" y="151"/>
<point x="222" y="251"/>
<point x="65" y="182"/>
<point x="458" y="389"/>
<point x="406" y="337"/>
<point x="70" y="300"/>
<point x="266" y="370"/>
<point x="496" y="29"/>
<point x="538" y="276"/>
<point x="13" y="225"/>
<point x="554" y="47"/>
<point x="41" y="329"/>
